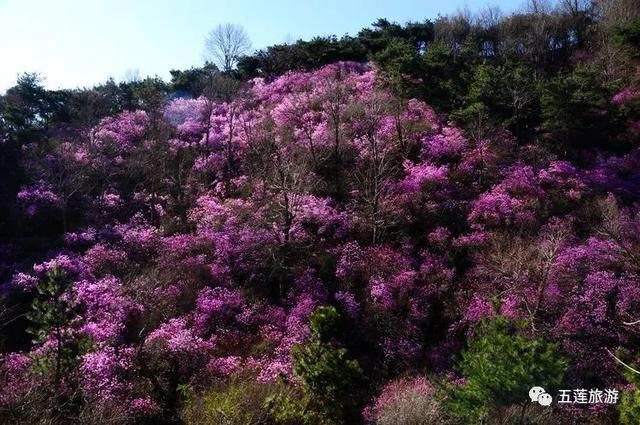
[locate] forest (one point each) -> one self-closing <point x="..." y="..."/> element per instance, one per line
<point x="412" y="225"/>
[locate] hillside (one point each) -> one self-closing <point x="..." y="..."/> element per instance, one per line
<point x="417" y="232"/>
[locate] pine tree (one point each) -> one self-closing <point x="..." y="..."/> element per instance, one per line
<point x="330" y="377"/>
<point x="499" y="367"/>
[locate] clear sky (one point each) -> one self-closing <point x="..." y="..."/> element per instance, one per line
<point x="75" y="43"/>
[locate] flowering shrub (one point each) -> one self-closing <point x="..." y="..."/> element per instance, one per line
<point x="198" y="238"/>
<point x="407" y="401"/>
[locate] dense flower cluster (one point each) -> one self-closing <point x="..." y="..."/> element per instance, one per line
<point x="221" y="229"/>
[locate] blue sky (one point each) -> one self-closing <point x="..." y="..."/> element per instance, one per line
<point x="75" y="43"/>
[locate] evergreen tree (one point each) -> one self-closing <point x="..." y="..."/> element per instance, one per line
<point x="51" y="314"/>
<point x="499" y="367"/>
<point x="330" y="377"/>
<point x="629" y="406"/>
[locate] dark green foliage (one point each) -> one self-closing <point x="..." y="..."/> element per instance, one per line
<point x="10" y="155"/>
<point x="28" y="107"/>
<point x="150" y="94"/>
<point x="325" y="323"/>
<point x="301" y="55"/>
<point x="319" y="51"/>
<point x="399" y="60"/>
<point x="575" y="109"/>
<point x="499" y="367"/>
<point x="508" y="90"/>
<point x="192" y="81"/>
<point x="330" y="378"/>
<point x="416" y="34"/>
<point x="629" y="406"/>
<point x="49" y="311"/>
<point x="629" y="35"/>
<point x="445" y="77"/>
<point x="86" y="107"/>
<point x="51" y="314"/>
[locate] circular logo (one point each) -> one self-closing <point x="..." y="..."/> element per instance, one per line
<point x="535" y="392"/>
<point x="545" y="399"/>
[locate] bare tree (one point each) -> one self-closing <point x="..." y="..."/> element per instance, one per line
<point x="453" y="30"/>
<point x="379" y="161"/>
<point x="489" y="17"/>
<point x="611" y="59"/>
<point x="539" y="6"/>
<point x="574" y="7"/>
<point x="226" y="44"/>
<point x="524" y="269"/>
